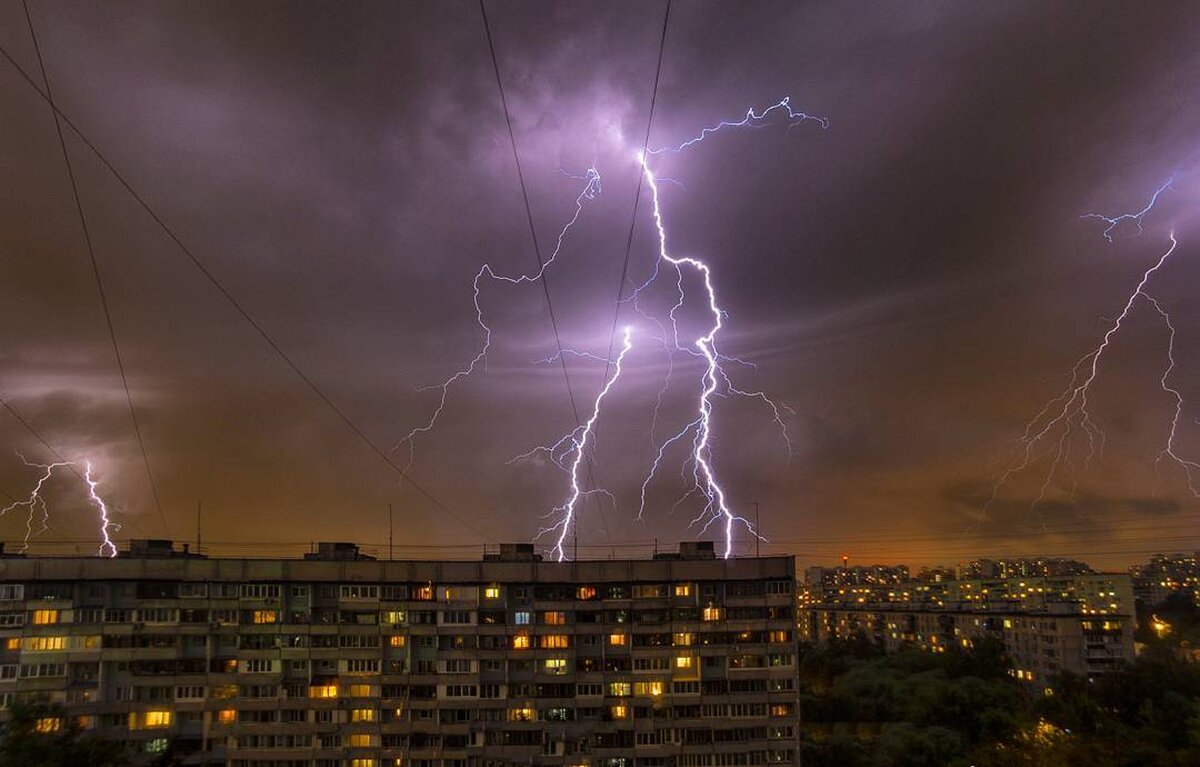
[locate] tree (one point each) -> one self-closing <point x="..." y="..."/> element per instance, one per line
<point x="43" y="735"/>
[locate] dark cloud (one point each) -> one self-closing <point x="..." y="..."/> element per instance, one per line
<point x="913" y="282"/>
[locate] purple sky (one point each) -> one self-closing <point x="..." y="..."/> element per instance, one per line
<point x="914" y="282"/>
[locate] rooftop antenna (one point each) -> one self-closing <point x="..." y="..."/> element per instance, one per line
<point x="199" y="509"/>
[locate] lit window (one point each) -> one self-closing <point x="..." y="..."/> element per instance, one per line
<point x="780" y="636"/>
<point x="554" y="618"/>
<point x="525" y="714"/>
<point x="781" y="709"/>
<point x="491" y="592"/>
<point x="48" y="724"/>
<point x="358" y="740"/>
<point x="150" y="720"/>
<point x="683" y="589"/>
<point x="362" y="762"/>
<point x="266" y="616"/>
<point x="43" y="644"/>
<point x="683" y="640"/>
<point x="620" y="689"/>
<point x="619" y="711"/>
<point x="13" y="643"/>
<point x="586" y="592"/>
<point x="520" y="641"/>
<point x="362" y="715"/>
<point x="651" y="689"/>
<point x="227" y="716"/>
<point x="323" y="691"/>
<point x="398" y="640"/>
<point x="360" y="691"/>
<point x="684" y="661"/>
<point x="712" y="613"/>
<point x="554" y="641"/>
<point x="555" y="665"/>
<point x="521" y="618"/>
<point x="423" y="593"/>
<point x="45" y="617"/>
<point x="618" y="640"/>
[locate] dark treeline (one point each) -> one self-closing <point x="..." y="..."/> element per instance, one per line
<point x="860" y="708"/>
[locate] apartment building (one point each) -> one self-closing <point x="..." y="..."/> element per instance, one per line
<point x="338" y="660"/>
<point x="1041" y="643"/>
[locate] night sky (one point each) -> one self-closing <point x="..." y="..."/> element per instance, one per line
<point x="914" y="282"/>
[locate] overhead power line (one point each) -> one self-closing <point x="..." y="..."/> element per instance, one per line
<point x="87" y="237"/>
<point x="537" y="252"/>
<point x="637" y="197"/>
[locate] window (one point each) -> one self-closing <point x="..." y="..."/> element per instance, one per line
<point x="711" y="613"/>
<point x="683" y="589"/>
<point x="779" y="637"/>
<point x="43" y="644"/>
<point x="618" y="640"/>
<point x="586" y="592"/>
<point x="554" y="618"/>
<point x="48" y="724"/>
<point x="619" y="711"/>
<point x="189" y="692"/>
<point x="45" y="617"/>
<point x="683" y="640"/>
<point x="521" y="618"/>
<point x="12" y="591"/>
<point x="299" y="592"/>
<point x="648" y="689"/>
<point x="193" y="590"/>
<point x="149" y="720"/>
<point x="423" y="593"/>
<point x="323" y="691"/>
<point x="227" y="716"/>
<point x="684" y="662"/>
<point x="259" y="591"/>
<point x="649" y="590"/>
<point x="456" y="617"/>
<point x="620" y="689"/>
<point x="491" y="592"/>
<point x="555" y="665"/>
<point x="266" y="616"/>
<point x="361" y="691"/>
<point x="524" y="714"/>
<point x="362" y="715"/>
<point x="224" y="590"/>
<point x="520" y="641"/>
<point x="359" y="592"/>
<point x="397" y="640"/>
<point x="554" y="641"/>
<point x="461" y="691"/>
<point x="362" y="666"/>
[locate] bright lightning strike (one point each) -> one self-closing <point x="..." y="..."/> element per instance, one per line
<point x="38" y="511"/>
<point x="1053" y="431"/>
<point x="107" y="547"/>
<point x="590" y="189"/>
<point x="579" y="444"/>
<point x="715" y="380"/>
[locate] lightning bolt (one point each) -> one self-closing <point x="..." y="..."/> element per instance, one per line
<point x="579" y="443"/>
<point x="590" y="189"/>
<point x="38" y="511"/>
<point x="715" y="379"/>
<point x="107" y="547"/>
<point x="1051" y="433"/>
